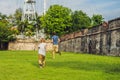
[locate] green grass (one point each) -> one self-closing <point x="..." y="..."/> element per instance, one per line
<point x="23" y="65"/>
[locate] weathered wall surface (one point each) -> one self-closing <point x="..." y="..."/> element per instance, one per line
<point x="102" y="39"/>
<point x="27" y="44"/>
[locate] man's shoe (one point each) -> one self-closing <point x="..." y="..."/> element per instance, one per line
<point x="59" y="52"/>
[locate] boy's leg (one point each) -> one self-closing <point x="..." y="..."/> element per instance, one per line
<point x="43" y="61"/>
<point x="40" y="60"/>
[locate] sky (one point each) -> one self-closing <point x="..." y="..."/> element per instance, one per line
<point x="109" y="9"/>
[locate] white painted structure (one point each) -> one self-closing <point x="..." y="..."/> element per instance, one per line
<point x="29" y="11"/>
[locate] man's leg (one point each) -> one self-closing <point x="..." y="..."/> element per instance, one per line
<point x="57" y="50"/>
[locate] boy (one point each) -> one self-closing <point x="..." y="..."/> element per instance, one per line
<point x="41" y="53"/>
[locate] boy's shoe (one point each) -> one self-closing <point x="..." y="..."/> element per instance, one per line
<point x="40" y="65"/>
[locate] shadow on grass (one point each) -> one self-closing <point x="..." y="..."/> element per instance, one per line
<point x="107" y="68"/>
<point x="35" y="64"/>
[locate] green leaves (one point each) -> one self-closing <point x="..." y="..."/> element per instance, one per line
<point x="80" y="20"/>
<point x="62" y="20"/>
<point x="56" y="19"/>
<point x="97" y="19"/>
<point x="6" y="34"/>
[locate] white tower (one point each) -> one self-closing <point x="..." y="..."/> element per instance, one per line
<point x="29" y="12"/>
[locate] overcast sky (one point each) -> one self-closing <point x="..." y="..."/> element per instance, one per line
<point x="110" y="9"/>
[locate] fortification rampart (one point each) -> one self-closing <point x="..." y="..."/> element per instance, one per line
<point x="103" y="39"/>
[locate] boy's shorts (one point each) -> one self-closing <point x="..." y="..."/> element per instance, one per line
<point x="41" y="58"/>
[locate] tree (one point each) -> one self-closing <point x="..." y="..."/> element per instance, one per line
<point x="2" y="16"/>
<point x="17" y="19"/>
<point x="6" y="34"/>
<point x="29" y="30"/>
<point x="80" y="20"/>
<point x="56" y="19"/>
<point x="97" y="19"/>
<point x="18" y="14"/>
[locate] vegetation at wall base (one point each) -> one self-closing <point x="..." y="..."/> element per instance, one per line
<point x="23" y="65"/>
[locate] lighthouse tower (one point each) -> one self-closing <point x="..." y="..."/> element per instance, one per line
<point x="29" y="12"/>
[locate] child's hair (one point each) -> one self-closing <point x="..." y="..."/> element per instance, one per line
<point x="42" y="40"/>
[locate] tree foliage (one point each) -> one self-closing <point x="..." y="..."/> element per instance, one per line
<point x="57" y="19"/>
<point x="6" y="33"/>
<point x="80" y="20"/>
<point x="18" y="14"/>
<point x="97" y="19"/>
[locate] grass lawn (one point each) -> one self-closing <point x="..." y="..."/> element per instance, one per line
<point x="23" y="65"/>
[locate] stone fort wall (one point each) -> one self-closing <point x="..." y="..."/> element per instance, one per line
<point x="27" y="44"/>
<point x="103" y="39"/>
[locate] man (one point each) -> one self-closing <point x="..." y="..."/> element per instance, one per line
<point x="55" y="40"/>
